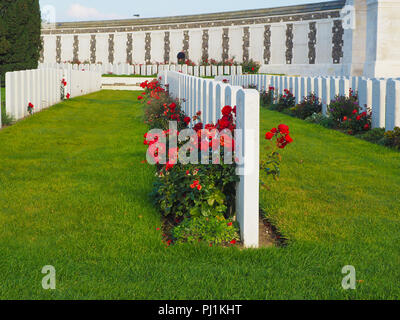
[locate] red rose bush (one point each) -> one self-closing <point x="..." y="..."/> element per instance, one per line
<point x="195" y="188"/>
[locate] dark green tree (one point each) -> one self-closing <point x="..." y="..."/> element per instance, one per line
<point x="20" y="29"/>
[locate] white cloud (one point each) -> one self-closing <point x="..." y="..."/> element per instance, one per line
<point x="78" y="11"/>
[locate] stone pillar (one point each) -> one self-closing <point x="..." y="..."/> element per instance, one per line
<point x="354" y="16"/>
<point x="383" y="40"/>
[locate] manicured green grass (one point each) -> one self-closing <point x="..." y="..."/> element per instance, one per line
<point x="128" y="76"/>
<point x="3" y="96"/>
<point x="140" y="76"/>
<point x="5" y="119"/>
<point x="74" y="194"/>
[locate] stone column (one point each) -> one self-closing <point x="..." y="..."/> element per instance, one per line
<point x="383" y="40"/>
<point x="354" y="16"/>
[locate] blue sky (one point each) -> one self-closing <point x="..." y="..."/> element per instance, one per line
<point x="83" y="10"/>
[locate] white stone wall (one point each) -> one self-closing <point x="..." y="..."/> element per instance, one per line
<point x="236" y="43"/>
<point x="49" y="47"/>
<point x="195" y="45"/>
<point x="102" y="48"/>
<point x="67" y="43"/>
<point x="215" y="43"/>
<point x="138" y="47"/>
<point x="256" y="50"/>
<point x="157" y="47"/>
<point x="278" y="44"/>
<point x="383" y="50"/>
<point x="369" y="48"/>
<point x="324" y="42"/>
<point x="84" y="48"/>
<point x="120" y="40"/>
<point x="300" y="43"/>
<point x="176" y="44"/>
<point x="236" y="33"/>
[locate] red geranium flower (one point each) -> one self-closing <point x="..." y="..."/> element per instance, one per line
<point x="233" y="241"/>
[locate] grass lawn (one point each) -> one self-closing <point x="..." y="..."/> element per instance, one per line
<point x="3" y="104"/>
<point x="141" y="76"/>
<point x="3" y="97"/>
<point x="128" y="76"/>
<point x="74" y="194"/>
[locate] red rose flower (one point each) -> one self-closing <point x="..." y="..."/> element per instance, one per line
<point x="227" y="110"/>
<point x="269" y="135"/>
<point x="284" y="129"/>
<point x="288" y="139"/>
<point x="223" y="123"/>
<point x="198" y="126"/>
<point x="169" y="166"/>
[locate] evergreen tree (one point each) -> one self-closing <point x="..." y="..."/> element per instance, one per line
<point x="20" y="29"/>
